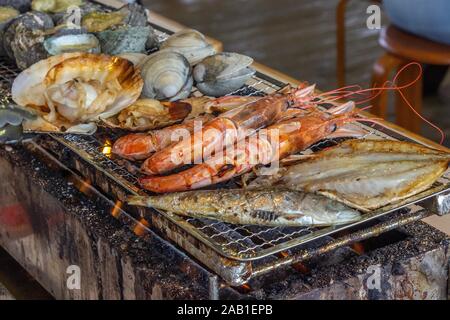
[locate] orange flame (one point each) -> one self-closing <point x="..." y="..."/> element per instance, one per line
<point x="115" y="212"/>
<point x="107" y="148"/>
<point x="300" y="267"/>
<point x="85" y="186"/>
<point x="358" y="248"/>
<point x="141" y="227"/>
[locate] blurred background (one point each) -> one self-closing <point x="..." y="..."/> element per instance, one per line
<point x="298" y="37"/>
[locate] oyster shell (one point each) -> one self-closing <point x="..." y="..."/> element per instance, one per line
<point x="72" y="40"/>
<point x="21" y="5"/>
<point x="100" y="21"/>
<point x="123" y="39"/>
<point x="223" y="73"/>
<point x="23" y="38"/>
<point x="191" y="44"/>
<point x="167" y="75"/>
<point x="54" y="6"/>
<point x="133" y="15"/>
<point x="7" y="14"/>
<point x="150" y="114"/>
<point x="72" y="91"/>
<point x="71" y="15"/>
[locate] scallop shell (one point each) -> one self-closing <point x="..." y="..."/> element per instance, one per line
<point x="190" y="43"/>
<point x="167" y="75"/>
<point x="124" y="39"/>
<point x="223" y="73"/>
<point x="74" y="90"/>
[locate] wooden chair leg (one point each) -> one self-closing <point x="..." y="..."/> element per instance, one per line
<point x="405" y="116"/>
<point x="340" y="43"/>
<point x="382" y="69"/>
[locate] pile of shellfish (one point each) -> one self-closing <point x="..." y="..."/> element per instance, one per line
<point x="83" y="66"/>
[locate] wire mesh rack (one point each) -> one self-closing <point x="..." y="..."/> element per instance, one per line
<point x="236" y="242"/>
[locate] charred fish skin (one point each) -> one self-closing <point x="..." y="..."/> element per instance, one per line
<point x="254" y="207"/>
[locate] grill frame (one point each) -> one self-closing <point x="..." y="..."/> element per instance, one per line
<point x="234" y="268"/>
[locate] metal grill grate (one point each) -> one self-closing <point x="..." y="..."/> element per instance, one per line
<point x="242" y="243"/>
<point x="236" y="242"/>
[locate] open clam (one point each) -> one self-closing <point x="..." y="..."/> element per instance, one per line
<point x="167" y="75"/>
<point x="223" y="73"/>
<point x="72" y="91"/>
<point x="191" y="44"/>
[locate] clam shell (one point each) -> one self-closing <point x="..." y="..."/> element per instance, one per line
<point x="223" y="73"/>
<point x="123" y="39"/>
<point x="135" y="57"/>
<point x="190" y="43"/>
<point x="65" y="43"/>
<point x="101" y="86"/>
<point x="167" y="75"/>
<point x="21" y="5"/>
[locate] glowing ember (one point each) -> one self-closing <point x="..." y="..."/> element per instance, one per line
<point x="107" y="148"/>
<point x="358" y="248"/>
<point x="85" y="186"/>
<point x="115" y="212"/>
<point x="141" y="228"/>
<point x="300" y="267"/>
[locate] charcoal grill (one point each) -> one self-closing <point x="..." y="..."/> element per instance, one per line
<point x="236" y="253"/>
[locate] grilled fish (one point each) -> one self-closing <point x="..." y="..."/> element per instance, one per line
<point x="364" y="174"/>
<point x="254" y="207"/>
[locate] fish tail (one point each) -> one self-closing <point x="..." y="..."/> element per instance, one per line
<point x="138" y="201"/>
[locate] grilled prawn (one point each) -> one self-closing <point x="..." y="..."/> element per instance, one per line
<point x="140" y="146"/>
<point x="225" y="130"/>
<point x="281" y="140"/>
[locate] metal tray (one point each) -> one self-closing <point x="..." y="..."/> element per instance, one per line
<point x="231" y="251"/>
